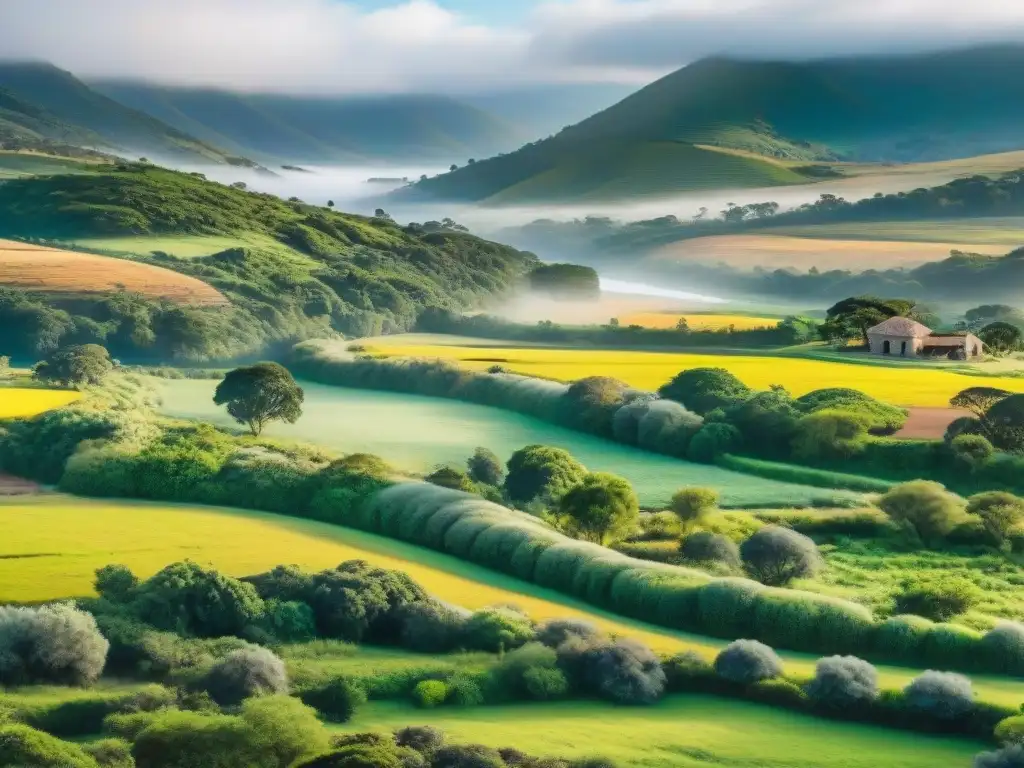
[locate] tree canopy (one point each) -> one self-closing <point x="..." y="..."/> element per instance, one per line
<point x="258" y="394"/>
<point x="75" y="366"/>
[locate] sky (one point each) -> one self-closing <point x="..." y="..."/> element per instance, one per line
<point x="360" y="46"/>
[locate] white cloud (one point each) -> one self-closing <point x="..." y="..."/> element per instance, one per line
<point x="332" y="46"/>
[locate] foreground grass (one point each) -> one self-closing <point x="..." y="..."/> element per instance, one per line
<point x="681" y="731"/>
<point x="650" y="370"/>
<point x="16" y="402"/>
<point x="52" y="545"/>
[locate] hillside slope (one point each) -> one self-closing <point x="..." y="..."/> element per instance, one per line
<point x="318" y="271"/>
<point x="45" y="95"/>
<point x="323" y="129"/>
<point x="895" y="108"/>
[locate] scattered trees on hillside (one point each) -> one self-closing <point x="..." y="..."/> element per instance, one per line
<point x="75" y="366"/>
<point x="261" y="393"/>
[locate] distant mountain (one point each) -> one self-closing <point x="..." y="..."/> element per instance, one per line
<point x="724" y="123"/>
<point x="44" y="96"/>
<point x="306" y="129"/>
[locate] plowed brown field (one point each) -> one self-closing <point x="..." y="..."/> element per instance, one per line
<point x="50" y="270"/>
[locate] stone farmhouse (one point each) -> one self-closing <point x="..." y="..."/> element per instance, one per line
<point x="903" y="337"/>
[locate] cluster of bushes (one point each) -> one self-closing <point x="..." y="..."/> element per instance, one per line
<point x="844" y="687"/>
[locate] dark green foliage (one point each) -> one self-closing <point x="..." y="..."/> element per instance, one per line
<point x="485" y="467"/>
<point x="940" y="695"/>
<point x="430" y="626"/>
<point x="55" y="643"/>
<point x="497" y="629"/>
<point x="601" y="508"/>
<point x="1004" y="423"/>
<point x="424" y="739"/>
<point x="971" y="451"/>
<point x="624" y="671"/>
<point x="290" y="621"/>
<point x="531" y="672"/>
<point x="747" y="661"/>
<point x="766" y="421"/>
<point x="702" y="390"/>
<point x="565" y="281"/>
<point x="1003" y="647"/>
<point x="842" y="683"/>
<point x="712" y="441"/>
<point x="336" y="700"/>
<point x="540" y="471"/>
<point x="706" y="548"/>
<point x="467" y="756"/>
<point x="924" y="507"/>
<point x="115" y="583"/>
<point x="245" y="673"/>
<point x="776" y="556"/>
<point x="1000" y="336"/>
<point x="554" y="632"/>
<point x="591" y="404"/>
<point x="450" y="477"/>
<point x="24" y="747"/>
<point x="111" y="753"/>
<point x="75" y="366"/>
<point x="261" y="393"/>
<point x="850" y="318"/>
<point x="185" y="597"/>
<point x="938" y="599"/>
<point x="1008" y="757"/>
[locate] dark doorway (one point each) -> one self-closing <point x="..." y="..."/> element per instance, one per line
<point x="886" y="348"/>
<point x="903" y="349"/>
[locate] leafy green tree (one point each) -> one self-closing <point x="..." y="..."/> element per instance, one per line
<point x="603" y="507"/>
<point x="776" y="556"/>
<point x="925" y="507"/>
<point x="850" y="318"/>
<point x="829" y="434"/>
<point x="978" y="400"/>
<point x="485" y="467"/>
<point x="702" y="390"/>
<point x="541" y="471"/>
<point x="1000" y="512"/>
<point x="1004" y="423"/>
<point x="115" y="583"/>
<point x="1001" y="337"/>
<point x="972" y="451"/>
<point x="75" y="366"/>
<point x="691" y="505"/>
<point x="450" y="477"/>
<point x="258" y="394"/>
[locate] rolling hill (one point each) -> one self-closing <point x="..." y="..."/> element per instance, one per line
<point x="728" y="123"/>
<point x="324" y="129"/>
<point x="38" y="99"/>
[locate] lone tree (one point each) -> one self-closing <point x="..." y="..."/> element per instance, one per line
<point x="75" y="366"/>
<point x="603" y="507"/>
<point x="257" y="394"/>
<point x="978" y="400"/>
<point x="1001" y="337"/>
<point x="850" y="318"/>
<point x="775" y="556"/>
<point x="691" y="505"/>
<point x="485" y="467"/>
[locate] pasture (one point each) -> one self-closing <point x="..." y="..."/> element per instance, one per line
<point x="50" y="270"/>
<point x="53" y="544"/>
<point x="1007" y="232"/>
<point x="17" y="402"/>
<point x="418" y="433"/>
<point x="680" y="732"/>
<point x="711" y="321"/>
<point x="775" y="250"/>
<point x="899" y="385"/>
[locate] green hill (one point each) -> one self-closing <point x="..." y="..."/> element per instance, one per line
<point x="48" y="101"/>
<point x="291" y="271"/>
<point x="660" y="139"/>
<point x="323" y="129"/>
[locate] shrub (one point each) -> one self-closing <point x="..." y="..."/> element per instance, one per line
<point x="602" y="507"/>
<point x="355" y="756"/>
<point x="450" y="477"/>
<point x="843" y="682"/>
<point x="830" y="435"/>
<point x="690" y="672"/>
<point x="1008" y="757"/>
<point x="775" y="556"/>
<point x="704" y="547"/>
<point x="923" y="506"/>
<point x="902" y="638"/>
<point x="467" y="756"/>
<point x="424" y="739"/>
<point x="940" y="695"/>
<point x="336" y="700"/>
<point x="290" y="622"/>
<point x="464" y="691"/>
<point x="540" y="471"/>
<point x="713" y="441"/>
<point x="531" y="672"/>
<point x="624" y="671"/>
<point x="1010" y="730"/>
<point x="50" y="644"/>
<point x="1001" y="513"/>
<point x="497" y="629"/>
<point x="429" y="693"/>
<point x="939" y="600"/>
<point x="246" y="672"/>
<point x="747" y="661"/>
<point x="128" y="725"/>
<point x="691" y="505"/>
<point x="284" y="729"/>
<point x="111" y="753"/>
<point x="657" y="526"/>
<point x="543" y="684"/>
<point x="1003" y="648"/>
<point x="704" y="389"/>
<point x="965" y="425"/>
<point x="554" y="632"/>
<point x="25" y="747"/>
<point x="485" y="467"/>
<point x="971" y="451"/>
<point x="431" y="626"/>
<point x="115" y="583"/>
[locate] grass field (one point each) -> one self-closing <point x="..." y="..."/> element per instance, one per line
<point x="417" y="433"/>
<point x="775" y="250"/>
<point x="680" y="732"/>
<point x="183" y="246"/>
<point x="1004" y="232"/>
<point x="16" y="402"/>
<point x="700" y="321"/>
<point x="50" y="270"/>
<point x="52" y="545"/>
<point x="908" y="386"/>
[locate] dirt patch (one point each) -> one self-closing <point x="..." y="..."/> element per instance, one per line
<point x="17" y="486"/>
<point x="50" y="270"/>
<point x="929" y="423"/>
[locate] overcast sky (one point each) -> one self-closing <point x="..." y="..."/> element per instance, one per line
<point x="340" y="46"/>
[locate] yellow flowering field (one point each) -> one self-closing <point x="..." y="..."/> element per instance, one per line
<point x="18" y="403"/>
<point x="699" y="322"/>
<point x="906" y="386"/>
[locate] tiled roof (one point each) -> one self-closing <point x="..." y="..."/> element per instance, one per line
<point x="901" y="326"/>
